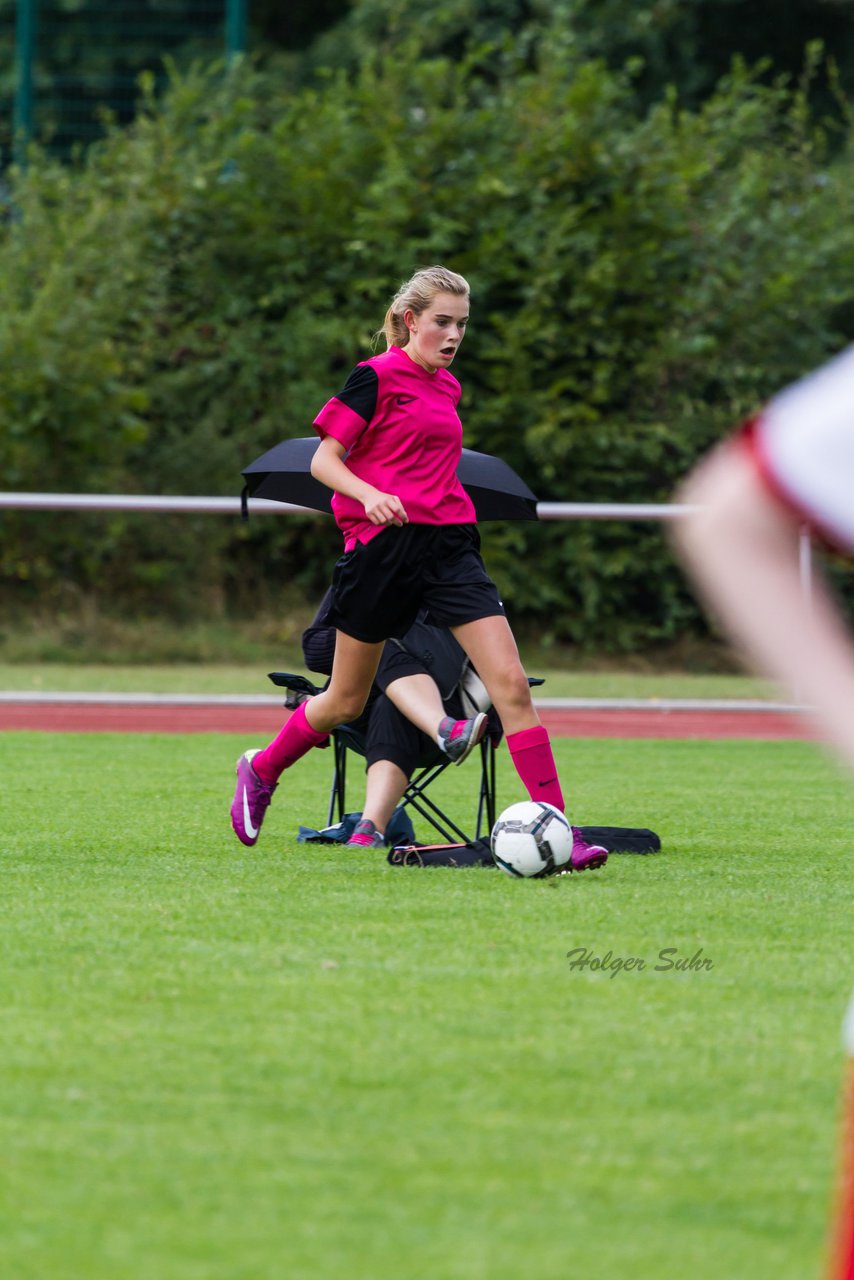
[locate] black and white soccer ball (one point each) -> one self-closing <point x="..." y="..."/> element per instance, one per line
<point x="531" y="838"/>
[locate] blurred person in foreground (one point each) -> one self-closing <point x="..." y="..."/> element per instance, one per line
<point x="790" y="467"/>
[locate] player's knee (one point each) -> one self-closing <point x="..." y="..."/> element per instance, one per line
<point x="513" y="686"/>
<point x="349" y="705"/>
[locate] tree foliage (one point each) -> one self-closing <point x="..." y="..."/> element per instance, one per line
<point x="198" y="285"/>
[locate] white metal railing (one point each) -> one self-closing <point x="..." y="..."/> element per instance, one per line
<point x="142" y="502"/>
<point x="612" y="510"/>
<point x="262" y="506"/>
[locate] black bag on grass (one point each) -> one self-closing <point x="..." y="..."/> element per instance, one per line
<point x="622" y="839"/>
<point x="478" y="854"/>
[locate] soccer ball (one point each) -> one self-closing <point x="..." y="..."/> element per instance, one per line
<point x="531" y="838"/>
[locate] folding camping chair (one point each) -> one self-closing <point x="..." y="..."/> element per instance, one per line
<point x="434" y="763"/>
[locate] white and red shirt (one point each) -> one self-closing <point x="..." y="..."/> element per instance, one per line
<point x="400" y="427"/>
<point x="803" y="445"/>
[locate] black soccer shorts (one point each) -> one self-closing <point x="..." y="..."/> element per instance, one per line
<point x="378" y="587"/>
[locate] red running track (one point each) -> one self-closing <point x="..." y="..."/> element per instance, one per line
<point x="263" y="722"/>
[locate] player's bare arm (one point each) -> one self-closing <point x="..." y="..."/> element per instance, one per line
<point x="740" y="544"/>
<point x="328" y="466"/>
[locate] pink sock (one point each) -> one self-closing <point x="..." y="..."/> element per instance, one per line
<point x="293" y="740"/>
<point x="531" y="752"/>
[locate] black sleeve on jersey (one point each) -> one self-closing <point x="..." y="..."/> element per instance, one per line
<point x="360" y="391"/>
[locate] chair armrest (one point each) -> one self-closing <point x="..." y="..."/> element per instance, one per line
<point x="299" y="687"/>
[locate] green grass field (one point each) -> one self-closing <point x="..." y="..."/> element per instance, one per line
<point x="231" y="1064"/>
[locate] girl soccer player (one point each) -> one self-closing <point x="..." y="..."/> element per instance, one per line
<point x="390" y="442"/>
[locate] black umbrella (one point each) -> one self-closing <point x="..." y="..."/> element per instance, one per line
<point x="283" y="474"/>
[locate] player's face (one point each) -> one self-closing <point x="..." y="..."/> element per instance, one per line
<point x="435" y="334"/>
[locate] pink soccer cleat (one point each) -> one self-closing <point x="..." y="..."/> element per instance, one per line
<point x="585" y="857"/>
<point x="251" y="800"/>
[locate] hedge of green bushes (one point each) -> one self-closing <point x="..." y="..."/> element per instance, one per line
<point x="194" y="288"/>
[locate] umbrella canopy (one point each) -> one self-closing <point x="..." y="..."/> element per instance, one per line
<point x="283" y="474"/>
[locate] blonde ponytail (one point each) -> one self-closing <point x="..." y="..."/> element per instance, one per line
<point x="416" y="296"/>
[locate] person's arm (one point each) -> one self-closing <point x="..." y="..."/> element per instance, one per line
<point x="741" y="546"/>
<point x="328" y="466"/>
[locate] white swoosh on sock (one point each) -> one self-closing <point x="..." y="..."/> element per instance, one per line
<point x="251" y="831"/>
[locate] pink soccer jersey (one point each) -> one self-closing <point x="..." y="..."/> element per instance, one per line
<point x="400" y="426"/>
<point x="803" y="445"/>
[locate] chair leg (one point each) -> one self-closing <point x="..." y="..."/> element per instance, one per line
<point x="490" y="802"/>
<point x="486" y="797"/>
<point x="415" y="794"/>
<point x="415" y="797"/>
<point x="338" y="792"/>
<point x="423" y="805"/>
